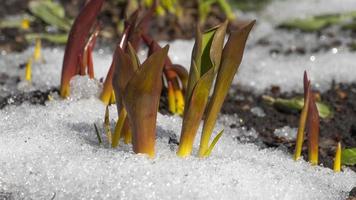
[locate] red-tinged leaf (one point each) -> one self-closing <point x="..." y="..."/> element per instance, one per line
<point x="107" y="89"/>
<point x="182" y="73"/>
<point x="306" y="83"/>
<point x="313" y="130"/>
<point x="90" y="62"/>
<point x="141" y="28"/>
<point x="81" y="65"/>
<point x="124" y="70"/>
<point x="141" y="100"/>
<point x="76" y="41"/>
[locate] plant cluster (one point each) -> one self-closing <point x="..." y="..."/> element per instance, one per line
<point x="309" y="123"/>
<point x="136" y="87"/>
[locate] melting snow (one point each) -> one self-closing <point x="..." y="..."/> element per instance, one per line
<point x="53" y="150"/>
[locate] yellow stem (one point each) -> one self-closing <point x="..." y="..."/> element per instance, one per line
<point x="301" y="128"/>
<point x="337" y="160"/>
<point x="118" y="128"/>
<point x="107" y="125"/>
<point x="171" y="99"/>
<point x="28" y="70"/>
<point x="179" y="102"/>
<point x="37" y="51"/>
<point x="25" y="24"/>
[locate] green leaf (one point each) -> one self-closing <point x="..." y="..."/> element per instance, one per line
<point x="206" y="63"/>
<point x="230" y="62"/>
<point x="348" y="156"/>
<point x="97" y="134"/>
<point x="15" y="22"/>
<point x="50" y="12"/>
<point x="319" y="22"/>
<point x="296" y="104"/>
<point x="212" y="145"/>
<point x="54" y="38"/>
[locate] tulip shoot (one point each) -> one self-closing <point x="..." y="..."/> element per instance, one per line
<point x="28" y="70"/>
<point x="231" y="58"/>
<point x="206" y="59"/>
<point x="302" y="119"/>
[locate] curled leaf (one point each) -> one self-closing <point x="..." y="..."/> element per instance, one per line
<point x="76" y="42"/>
<point x="141" y="99"/>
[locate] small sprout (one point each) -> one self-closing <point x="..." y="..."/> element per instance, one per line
<point x="50" y="97"/>
<point x="37" y="52"/>
<point x="302" y="120"/>
<point x="28" y="70"/>
<point x="97" y="134"/>
<point x="107" y="125"/>
<point x="309" y="120"/>
<point x="313" y="131"/>
<point x="337" y="159"/>
<point x="25" y="24"/>
<point x="348" y="156"/>
<point x="213" y="143"/>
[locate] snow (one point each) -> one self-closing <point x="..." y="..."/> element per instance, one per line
<point x="286" y="132"/>
<point x="53" y="150"/>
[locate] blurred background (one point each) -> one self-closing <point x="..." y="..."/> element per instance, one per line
<point x="23" y="20"/>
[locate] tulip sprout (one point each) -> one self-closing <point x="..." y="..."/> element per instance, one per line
<point x="210" y="59"/>
<point x="309" y="120"/>
<point x="337" y="159"/>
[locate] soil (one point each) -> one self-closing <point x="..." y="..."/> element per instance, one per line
<point x="341" y="126"/>
<point x="35" y="97"/>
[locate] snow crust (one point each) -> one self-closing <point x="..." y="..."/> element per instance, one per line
<point x="53" y="150"/>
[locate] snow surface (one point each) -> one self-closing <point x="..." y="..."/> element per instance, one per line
<point x="53" y="150"/>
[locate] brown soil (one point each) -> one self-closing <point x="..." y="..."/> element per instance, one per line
<point x="342" y="126"/>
